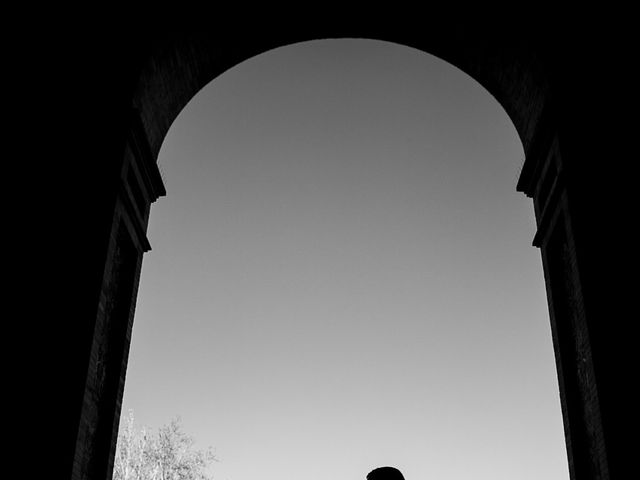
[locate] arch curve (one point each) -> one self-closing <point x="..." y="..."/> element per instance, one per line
<point x="174" y="73"/>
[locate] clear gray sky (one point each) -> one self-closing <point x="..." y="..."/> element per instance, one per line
<point x="342" y="276"/>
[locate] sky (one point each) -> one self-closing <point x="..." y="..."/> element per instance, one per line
<point x="342" y="276"/>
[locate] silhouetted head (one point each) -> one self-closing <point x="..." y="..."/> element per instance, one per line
<point x="385" y="473"/>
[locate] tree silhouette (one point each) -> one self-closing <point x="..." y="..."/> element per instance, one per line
<point x="166" y="455"/>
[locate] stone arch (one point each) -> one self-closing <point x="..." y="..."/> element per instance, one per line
<point x="157" y="76"/>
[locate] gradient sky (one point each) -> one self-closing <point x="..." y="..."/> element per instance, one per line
<point x="342" y="276"/>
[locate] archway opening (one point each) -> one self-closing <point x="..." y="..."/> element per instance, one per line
<point x="342" y="275"/>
